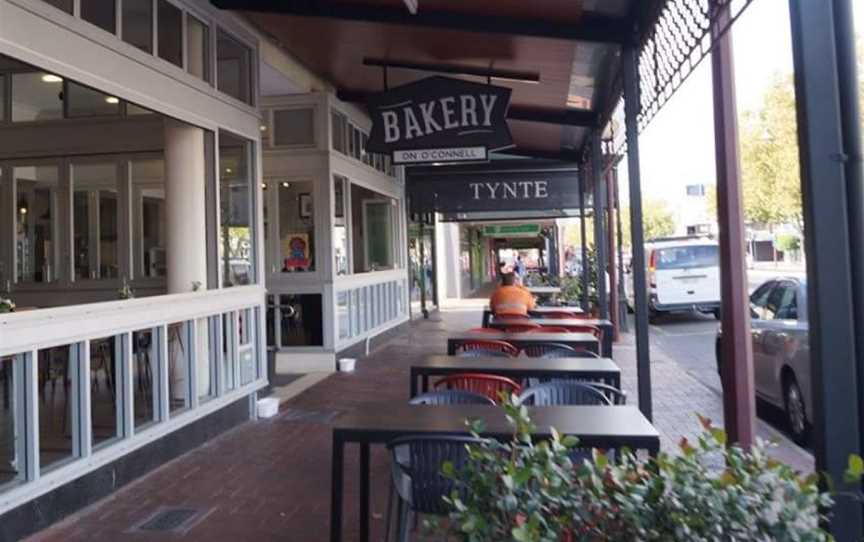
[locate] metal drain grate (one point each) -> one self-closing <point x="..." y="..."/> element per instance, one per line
<point x="176" y="520"/>
<point x="307" y="416"/>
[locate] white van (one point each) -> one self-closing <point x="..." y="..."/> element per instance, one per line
<point x="683" y="275"/>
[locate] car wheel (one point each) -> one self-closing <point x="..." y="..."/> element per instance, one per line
<point x="796" y="414"/>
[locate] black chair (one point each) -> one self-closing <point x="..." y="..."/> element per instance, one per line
<point x="550" y="350"/>
<point x="451" y="397"/>
<point x="563" y="393"/>
<point x="417" y="478"/>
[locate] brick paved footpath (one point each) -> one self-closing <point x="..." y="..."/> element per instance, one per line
<point x="270" y="479"/>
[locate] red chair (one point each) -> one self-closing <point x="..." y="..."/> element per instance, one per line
<point x="484" y="330"/>
<point x="550" y="329"/>
<point x="488" y="344"/>
<point x="490" y="386"/>
<point x="518" y="317"/>
<point x="521" y="327"/>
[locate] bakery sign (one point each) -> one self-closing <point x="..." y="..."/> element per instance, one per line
<point x="439" y="119"/>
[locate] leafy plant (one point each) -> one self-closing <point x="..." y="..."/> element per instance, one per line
<point x="526" y="491"/>
<point x="6" y="305"/>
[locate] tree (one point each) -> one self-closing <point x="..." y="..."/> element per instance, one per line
<point x="657" y="221"/>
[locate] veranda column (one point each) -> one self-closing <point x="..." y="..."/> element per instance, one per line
<point x="599" y="189"/>
<point x="186" y="245"/>
<point x="739" y="399"/>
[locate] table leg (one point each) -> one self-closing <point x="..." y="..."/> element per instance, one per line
<point x="336" y="490"/>
<point x="425" y="387"/>
<point x="413" y="385"/>
<point x="451" y="347"/>
<point x="364" y="492"/>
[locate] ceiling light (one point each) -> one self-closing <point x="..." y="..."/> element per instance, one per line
<point x="51" y="78"/>
<point x="228" y="170"/>
<point x="23" y="210"/>
<point x="286" y="184"/>
<point x="264" y="186"/>
<point x="112" y="100"/>
<point x="263" y="127"/>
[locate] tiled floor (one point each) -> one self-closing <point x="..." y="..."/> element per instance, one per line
<point x="269" y="479"/>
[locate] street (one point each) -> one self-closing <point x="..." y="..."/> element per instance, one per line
<point x="689" y="339"/>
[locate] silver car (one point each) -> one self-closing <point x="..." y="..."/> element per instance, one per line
<point x="781" y="350"/>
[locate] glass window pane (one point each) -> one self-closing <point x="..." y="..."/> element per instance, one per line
<point x="179" y="339"/>
<point x="302" y="320"/>
<point x="2" y="98"/>
<point x="95" y="221"/>
<point x="65" y="5"/>
<point x="137" y="20"/>
<point x="145" y="359"/>
<point x="86" y="102"/>
<point x="294" y="127"/>
<point x="235" y="193"/>
<point x="101" y="13"/>
<point x="36" y="96"/>
<point x="58" y="413"/>
<point x="36" y="247"/>
<point x="297" y="226"/>
<point x="132" y="109"/>
<point x="340" y="229"/>
<point x="342" y="316"/>
<point x="373" y="222"/>
<point x="233" y="64"/>
<point x="205" y="359"/>
<point x="170" y="29"/>
<point x="337" y="123"/>
<point x="197" y="48"/>
<point x="12" y="421"/>
<point x="105" y="412"/>
<point x="148" y="217"/>
<point x="229" y="360"/>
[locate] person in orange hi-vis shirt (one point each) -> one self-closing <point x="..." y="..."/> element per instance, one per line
<point x="510" y="298"/>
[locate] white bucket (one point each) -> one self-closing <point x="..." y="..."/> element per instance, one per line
<point x="268" y="407"/>
<point x="346" y="365"/>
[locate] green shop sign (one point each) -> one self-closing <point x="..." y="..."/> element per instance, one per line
<point x="512" y="230"/>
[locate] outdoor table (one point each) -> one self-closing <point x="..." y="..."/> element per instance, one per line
<point x="544" y="290"/>
<point x="595" y="426"/>
<point x="604" y="325"/>
<point x="521" y="340"/>
<point x="590" y="369"/>
<point x="536" y="312"/>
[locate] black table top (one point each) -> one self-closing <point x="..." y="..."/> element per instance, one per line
<point x="551" y="322"/>
<point x="519" y="364"/>
<point x="523" y="337"/>
<point x="596" y="426"/>
<point x="545" y="308"/>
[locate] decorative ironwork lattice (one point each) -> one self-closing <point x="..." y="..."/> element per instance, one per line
<point x="679" y="41"/>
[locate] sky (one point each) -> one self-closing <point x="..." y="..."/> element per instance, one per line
<point x="677" y="147"/>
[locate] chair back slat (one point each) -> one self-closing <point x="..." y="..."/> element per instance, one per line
<point x="563" y="393"/>
<point x="487" y="385"/>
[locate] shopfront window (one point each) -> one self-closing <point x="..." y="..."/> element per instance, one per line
<point x="294" y="127"/>
<point x="296" y="226"/>
<point x="36" y="96"/>
<point x="137" y="21"/>
<point x="100" y="13"/>
<point x="86" y="102"/>
<point x="197" y="48"/>
<point x="65" y="5"/>
<point x="234" y="67"/>
<point x="236" y="197"/>
<point x="148" y="217"/>
<point x="105" y="365"/>
<point x="37" y="224"/>
<point x="58" y="370"/>
<point x="170" y="30"/>
<point x="373" y="220"/>
<point x="12" y="420"/>
<point x="338" y="126"/>
<point x="340" y="228"/>
<point x="95" y="221"/>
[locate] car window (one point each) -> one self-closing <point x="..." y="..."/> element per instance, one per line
<point x="775" y="300"/>
<point x="788" y="308"/>
<point x="759" y="299"/>
<point x="687" y="256"/>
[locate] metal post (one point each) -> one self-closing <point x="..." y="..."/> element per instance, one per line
<point x="599" y="184"/>
<point x="583" y="237"/>
<point x="422" y="255"/>
<point x="630" y="60"/>
<point x="614" y="313"/>
<point x="829" y="241"/>
<point x="739" y="400"/>
<point x="622" y="309"/>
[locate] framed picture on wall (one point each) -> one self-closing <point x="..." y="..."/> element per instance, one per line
<point x="306" y="205"/>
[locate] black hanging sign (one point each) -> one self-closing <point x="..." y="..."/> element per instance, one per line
<point x="439" y="119"/>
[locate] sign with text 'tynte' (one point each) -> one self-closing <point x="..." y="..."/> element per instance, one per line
<point x="439" y="119"/>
